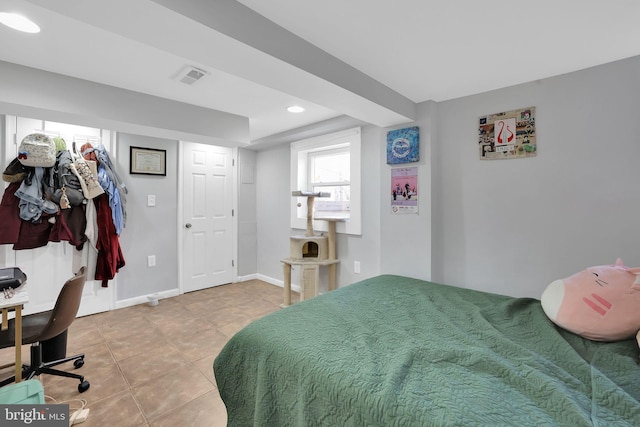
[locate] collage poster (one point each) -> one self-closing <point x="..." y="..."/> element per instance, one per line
<point x="508" y="135"/>
<point x="404" y="190"/>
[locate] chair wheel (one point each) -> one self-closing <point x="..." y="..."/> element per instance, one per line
<point x="83" y="386"/>
<point x="78" y="363"/>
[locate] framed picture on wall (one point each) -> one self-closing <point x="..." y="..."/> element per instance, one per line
<point x="403" y="146"/>
<point x="147" y="161"/>
<point x="404" y="190"/>
<point x="508" y="135"/>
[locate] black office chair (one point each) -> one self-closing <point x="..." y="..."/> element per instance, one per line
<point x="49" y="326"/>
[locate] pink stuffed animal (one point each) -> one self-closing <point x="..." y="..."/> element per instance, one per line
<point x="600" y="303"/>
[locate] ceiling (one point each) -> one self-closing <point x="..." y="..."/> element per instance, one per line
<point x="370" y="60"/>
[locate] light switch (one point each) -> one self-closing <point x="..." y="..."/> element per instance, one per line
<point x="151" y="261"/>
<point x="151" y="200"/>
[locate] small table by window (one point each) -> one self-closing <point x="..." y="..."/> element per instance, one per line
<point x="15" y="303"/>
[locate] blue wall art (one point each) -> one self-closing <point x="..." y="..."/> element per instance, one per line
<point x="403" y="145"/>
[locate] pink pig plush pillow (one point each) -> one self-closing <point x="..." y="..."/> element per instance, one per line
<point x="600" y="303"/>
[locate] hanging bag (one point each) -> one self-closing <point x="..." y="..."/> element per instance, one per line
<point x="88" y="179"/>
<point x="37" y="150"/>
<point x="66" y="186"/>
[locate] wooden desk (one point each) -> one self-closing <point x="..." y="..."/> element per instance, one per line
<point x="15" y="303"/>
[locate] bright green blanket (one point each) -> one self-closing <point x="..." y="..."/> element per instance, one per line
<point x="396" y="351"/>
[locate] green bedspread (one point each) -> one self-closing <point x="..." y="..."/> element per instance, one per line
<point x="396" y="351"/>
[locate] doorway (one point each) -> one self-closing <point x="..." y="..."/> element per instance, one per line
<point x="208" y="216"/>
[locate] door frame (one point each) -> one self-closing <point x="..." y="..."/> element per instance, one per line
<point x="180" y="216"/>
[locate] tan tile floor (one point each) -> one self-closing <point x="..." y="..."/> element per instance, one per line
<point x="153" y="366"/>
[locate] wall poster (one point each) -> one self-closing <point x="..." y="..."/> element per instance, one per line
<point x="403" y="145"/>
<point x="404" y="190"/>
<point x="508" y="135"/>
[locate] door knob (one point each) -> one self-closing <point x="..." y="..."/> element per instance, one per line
<point x="187" y="225"/>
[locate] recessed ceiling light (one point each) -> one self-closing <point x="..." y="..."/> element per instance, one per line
<point x="295" y="109"/>
<point x="19" y="22"/>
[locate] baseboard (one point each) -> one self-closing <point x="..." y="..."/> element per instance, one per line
<point x="276" y="282"/>
<point x="143" y="299"/>
<point x="246" y="278"/>
<point x="269" y="279"/>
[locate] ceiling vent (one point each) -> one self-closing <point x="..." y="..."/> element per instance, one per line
<point x="189" y="75"/>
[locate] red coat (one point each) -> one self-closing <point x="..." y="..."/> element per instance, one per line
<point x="10" y="215"/>
<point x="69" y="225"/>
<point x="110" y="258"/>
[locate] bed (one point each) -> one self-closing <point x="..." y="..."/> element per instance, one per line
<point x="397" y="351"/>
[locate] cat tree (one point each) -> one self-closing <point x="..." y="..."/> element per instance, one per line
<point x="311" y="251"/>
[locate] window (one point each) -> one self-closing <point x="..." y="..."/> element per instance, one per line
<point x="328" y="164"/>
<point x="329" y="172"/>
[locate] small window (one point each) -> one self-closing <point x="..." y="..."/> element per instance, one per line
<point x="328" y="164"/>
<point x="329" y="172"/>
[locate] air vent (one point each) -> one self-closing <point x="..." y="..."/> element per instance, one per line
<point x="189" y="75"/>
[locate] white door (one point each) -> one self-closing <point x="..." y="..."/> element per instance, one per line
<point x="47" y="269"/>
<point x="207" y="191"/>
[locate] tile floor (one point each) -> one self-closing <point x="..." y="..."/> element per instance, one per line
<point x="153" y="366"/>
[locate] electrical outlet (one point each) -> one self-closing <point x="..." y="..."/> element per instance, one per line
<point x="356" y="267"/>
<point x="151" y="200"/>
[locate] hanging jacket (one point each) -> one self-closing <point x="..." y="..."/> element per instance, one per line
<point x="68" y="226"/>
<point x="32" y="203"/>
<point x="110" y="258"/>
<point x="118" y="205"/>
<point x="114" y="199"/>
<point x="10" y="214"/>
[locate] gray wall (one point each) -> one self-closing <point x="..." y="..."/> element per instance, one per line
<point x="272" y="208"/>
<point x="405" y="240"/>
<point x="509" y="226"/>
<point x="513" y="226"/>
<point x="247" y="220"/>
<point x="274" y="199"/>
<point x="149" y="230"/>
<point x="29" y="92"/>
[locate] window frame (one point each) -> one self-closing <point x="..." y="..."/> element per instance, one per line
<point x="300" y="179"/>
<point x="312" y="184"/>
